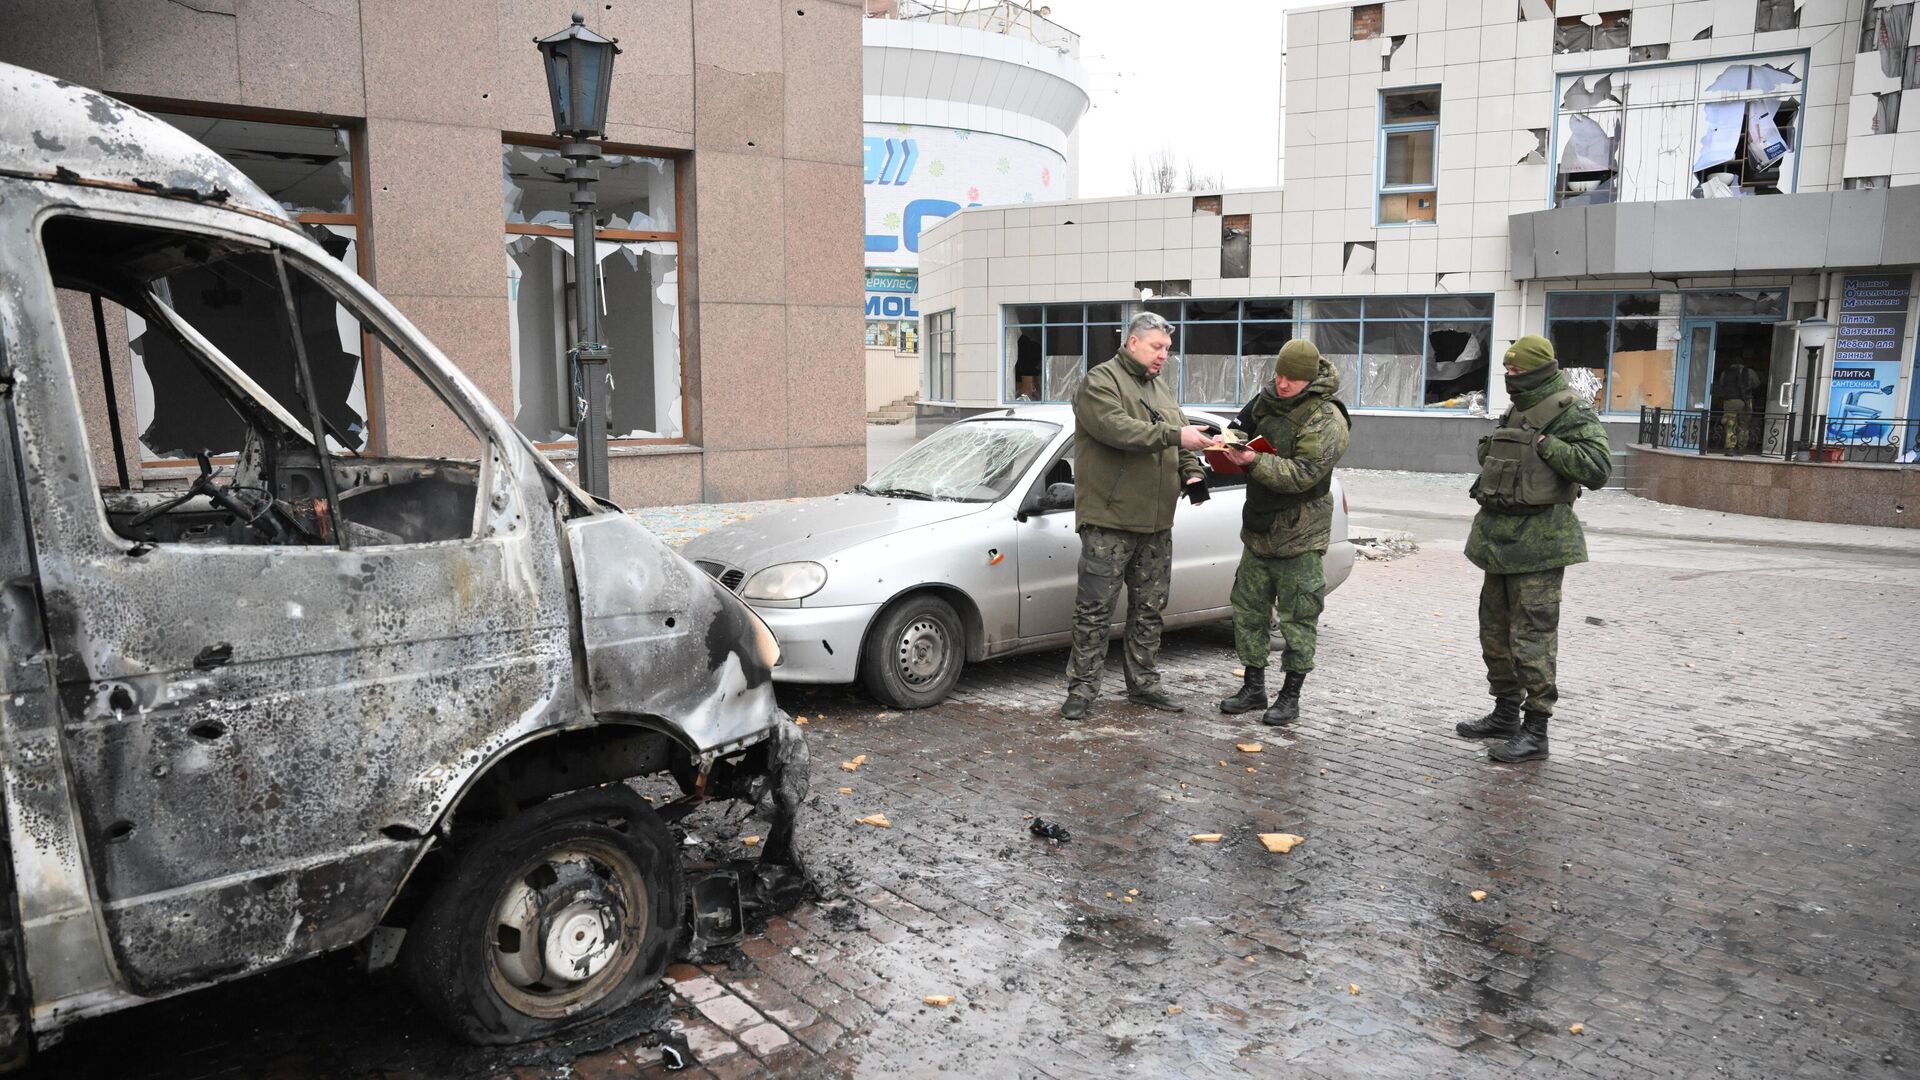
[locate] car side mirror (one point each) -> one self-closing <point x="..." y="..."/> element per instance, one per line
<point x="1058" y="497"/>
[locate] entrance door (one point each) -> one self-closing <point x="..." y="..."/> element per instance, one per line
<point x="1692" y="373"/>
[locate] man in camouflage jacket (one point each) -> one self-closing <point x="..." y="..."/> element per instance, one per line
<point x="1548" y="446"/>
<point x="1286" y="525"/>
<point x="1134" y="456"/>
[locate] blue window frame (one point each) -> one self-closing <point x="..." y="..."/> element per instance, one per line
<point x="1406" y="179"/>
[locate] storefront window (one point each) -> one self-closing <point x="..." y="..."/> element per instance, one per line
<point x="1391" y="352"/>
<point x="1622" y="350"/>
<point x="637" y="260"/>
<point x="940" y="356"/>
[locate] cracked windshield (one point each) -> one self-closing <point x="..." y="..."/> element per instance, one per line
<point x="971" y="462"/>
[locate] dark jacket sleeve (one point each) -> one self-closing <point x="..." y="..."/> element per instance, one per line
<point x="1576" y="447"/>
<point x="1098" y="410"/>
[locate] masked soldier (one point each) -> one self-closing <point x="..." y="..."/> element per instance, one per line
<point x="1133" y="450"/>
<point x="1548" y="446"/>
<point x="1286" y="524"/>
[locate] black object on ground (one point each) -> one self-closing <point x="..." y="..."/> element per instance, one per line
<point x="1051" y="830"/>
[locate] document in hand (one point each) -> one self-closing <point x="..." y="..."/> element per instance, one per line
<point x="1218" y="462"/>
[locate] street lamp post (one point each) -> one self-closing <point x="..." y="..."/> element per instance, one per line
<point x="1814" y="333"/>
<point x="579" y="68"/>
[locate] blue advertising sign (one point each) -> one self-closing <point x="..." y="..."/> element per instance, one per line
<point x="879" y="281"/>
<point x="1866" y="357"/>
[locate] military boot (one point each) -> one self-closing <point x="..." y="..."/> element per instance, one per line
<point x="1286" y="704"/>
<point x="1529" y="745"/>
<point x="1155" y="698"/>
<point x="1502" y="723"/>
<point x="1253" y="693"/>
<point x="1076" y="707"/>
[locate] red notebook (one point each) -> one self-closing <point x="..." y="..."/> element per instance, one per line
<point x="1218" y="462"/>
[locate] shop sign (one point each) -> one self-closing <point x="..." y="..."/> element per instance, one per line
<point x="1866" y="357"/>
<point x="882" y="282"/>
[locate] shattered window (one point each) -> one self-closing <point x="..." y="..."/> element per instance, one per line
<point x="1622" y="348"/>
<point x="308" y="170"/>
<point x="1047" y="349"/>
<point x="637" y="271"/>
<point x="1771" y="15"/>
<point x="1409" y="137"/>
<point x="236" y="349"/>
<point x="1715" y="129"/>
<point x="1592" y="32"/>
<point x="976" y="461"/>
<point x="1211" y="360"/>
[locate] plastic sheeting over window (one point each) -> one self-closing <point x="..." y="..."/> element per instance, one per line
<point x="639" y="318"/>
<point x="1709" y="130"/>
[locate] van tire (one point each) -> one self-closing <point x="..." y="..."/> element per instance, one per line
<point x="593" y="874"/>
<point x="914" y="654"/>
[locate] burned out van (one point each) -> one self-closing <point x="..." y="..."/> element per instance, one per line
<point x="311" y="684"/>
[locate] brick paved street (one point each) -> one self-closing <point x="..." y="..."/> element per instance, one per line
<point x="1715" y="874"/>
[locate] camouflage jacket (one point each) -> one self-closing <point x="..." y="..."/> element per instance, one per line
<point x="1575" y="446"/>
<point x="1317" y="445"/>
<point x="1126" y="448"/>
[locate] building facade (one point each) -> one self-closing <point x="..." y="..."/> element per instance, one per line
<point x="966" y="104"/>
<point x="410" y="139"/>
<point x="1665" y="189"/>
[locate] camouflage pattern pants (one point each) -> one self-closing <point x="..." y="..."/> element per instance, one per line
<point x="1110" y="558"/>
<point x="1520" y="636"/>
<point x="1292" y="590"/>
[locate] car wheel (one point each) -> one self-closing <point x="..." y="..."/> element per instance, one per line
<point x="914" y="655"/>
<point x="559" y="915"/>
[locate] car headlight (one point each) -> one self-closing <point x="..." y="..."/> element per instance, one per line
<point x="787" y="581"/>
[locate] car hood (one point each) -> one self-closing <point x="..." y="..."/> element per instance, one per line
<point x="818" y="529"/>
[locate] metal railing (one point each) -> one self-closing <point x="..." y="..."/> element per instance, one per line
<point x="1737" y="433"/>
<point x="1732" y="432"/>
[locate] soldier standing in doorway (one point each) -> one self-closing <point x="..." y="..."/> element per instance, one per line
<point x="1548" y="446"/>
<point x="1286" y="524"/>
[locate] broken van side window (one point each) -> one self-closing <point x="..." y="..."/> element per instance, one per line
<point x="213" y="332"/>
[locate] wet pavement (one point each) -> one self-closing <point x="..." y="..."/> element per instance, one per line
<point x="1713" y="875"/>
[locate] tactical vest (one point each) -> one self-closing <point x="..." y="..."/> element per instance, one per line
<point x="1265" y="505"/>
<point x="1515" y="479"/>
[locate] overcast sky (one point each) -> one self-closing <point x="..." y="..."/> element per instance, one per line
<point x="1200" y="76"/>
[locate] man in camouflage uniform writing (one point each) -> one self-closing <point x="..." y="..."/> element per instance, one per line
<point x="1286" y="525"/>
<point x="1133" y="453"/>
<point x="1548" y="446"/>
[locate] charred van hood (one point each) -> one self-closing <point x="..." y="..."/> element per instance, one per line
<point x="819" y="529"/>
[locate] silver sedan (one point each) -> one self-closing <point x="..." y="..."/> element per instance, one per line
<point x="963" y="548"/>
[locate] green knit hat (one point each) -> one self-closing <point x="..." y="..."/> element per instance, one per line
<point x="1298" y="360"/>
<point x="1530" y="352"/>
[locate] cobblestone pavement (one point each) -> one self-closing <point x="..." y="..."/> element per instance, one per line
<point x="1713" y="875"/>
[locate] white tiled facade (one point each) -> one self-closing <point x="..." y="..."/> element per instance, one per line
<point x="1498" y="76"/>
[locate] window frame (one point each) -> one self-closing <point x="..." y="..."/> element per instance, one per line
<point x="1303" y="314"/>
<point x="937" y="346"/>
<point x="1681" y="316"/>
<point x="356" y="132"/>
<point x="1381" y="188"/>
<point x="675" y="237"/>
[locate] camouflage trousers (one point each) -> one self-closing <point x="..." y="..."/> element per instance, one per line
<point x="1520" y="635"/>
<point x="1110" y="558"/>
<point x="1292" y="590"/>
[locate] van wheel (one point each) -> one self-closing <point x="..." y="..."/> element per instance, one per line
<point x="556" y="916"/>
<point x="915" y="653"/>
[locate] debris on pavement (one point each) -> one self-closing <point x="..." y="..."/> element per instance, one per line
<point x="1248" y="747"/>
<point x="1353" y="988"/>
<point x="1390" y="544"/>
<point x="750" y="841"/>
<point x="938" y="1001"/>
<point x="1478" y="895"/>
<point x="1207" y="837"/>
<point x="846" y="791"/>
<point x="878" y="821"/>
<point x="1050" y="830"/>
<point x="1175" y="1010"/>
<point x="1575" y="1029"/>
<point x="1280" y="842"/>
<point x="854" y="765"/>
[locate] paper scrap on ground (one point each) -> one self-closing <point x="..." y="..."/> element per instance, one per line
<point x="1281" y="842"/>
<point x="846" y="791"/>
<point x="878" y="821"/>
<point x="1248" y="747"/>
<point x="938" y="1001"/>
<point x="1207" y="837"/>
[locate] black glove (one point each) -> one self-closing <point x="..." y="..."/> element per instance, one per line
<point x="1196" y="491"/>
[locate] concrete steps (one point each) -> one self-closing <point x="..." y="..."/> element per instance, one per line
<point x="898" y="411"/>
